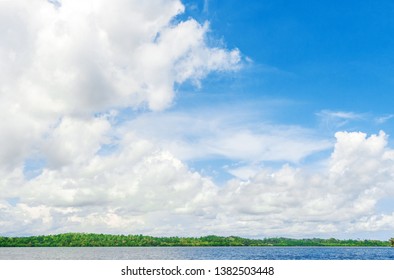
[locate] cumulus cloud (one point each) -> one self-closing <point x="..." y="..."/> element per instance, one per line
<point x="127" y="191"/>
<point x="341" y="198"/>
<point x="77" y="59"/>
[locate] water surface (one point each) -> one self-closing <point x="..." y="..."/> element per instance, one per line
<point x="198" y="253"/>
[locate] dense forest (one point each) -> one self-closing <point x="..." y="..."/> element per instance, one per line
<point x="107" y="240"/>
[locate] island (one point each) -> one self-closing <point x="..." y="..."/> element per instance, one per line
<point x="110" y="240"/>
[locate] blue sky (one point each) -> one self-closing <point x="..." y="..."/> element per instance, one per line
<point x="325" y="55"/>
<point x="168" y="117"/>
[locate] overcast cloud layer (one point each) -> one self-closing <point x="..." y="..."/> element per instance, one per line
<point x="67" y="163"/>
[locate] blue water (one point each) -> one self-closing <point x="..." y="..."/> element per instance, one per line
<point x="199" y="253"/>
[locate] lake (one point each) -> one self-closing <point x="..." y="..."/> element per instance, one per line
<point x="198" y="253"/>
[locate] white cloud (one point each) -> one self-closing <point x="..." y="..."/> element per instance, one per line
<point x="78" y="58"/>
<point x="136" y="183"/>
<point x="339" y="114"/>
<point x="339" y="199"/>
<point x="336" y="119"/>
<point x="383" y="119"/>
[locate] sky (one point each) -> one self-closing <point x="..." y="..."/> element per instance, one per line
<point x="189" y="118"/>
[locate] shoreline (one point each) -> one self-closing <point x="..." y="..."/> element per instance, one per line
<point x="110" y="240"/>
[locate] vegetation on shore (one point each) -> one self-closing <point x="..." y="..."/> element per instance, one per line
<point x="107" y="240"/>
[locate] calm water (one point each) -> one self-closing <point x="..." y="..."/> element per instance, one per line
<point x="199" y="253"/>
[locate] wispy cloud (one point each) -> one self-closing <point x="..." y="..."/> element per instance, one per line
<point x="206" y="6"/>
<point x="339" y="115"/>
<point x="338" y="119"/>
<point x="232" y="133"/>
<point x="383" y="119"/>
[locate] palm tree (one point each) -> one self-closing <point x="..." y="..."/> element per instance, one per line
<point x="392" y="242"/>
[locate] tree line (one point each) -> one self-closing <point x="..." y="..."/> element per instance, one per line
<point x="109" y="240"/>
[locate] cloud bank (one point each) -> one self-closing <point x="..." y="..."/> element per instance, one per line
<point x="140" y="188"/>
<point x="67" y="162"/>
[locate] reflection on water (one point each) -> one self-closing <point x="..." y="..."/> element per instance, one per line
<point x="199" y="253"/>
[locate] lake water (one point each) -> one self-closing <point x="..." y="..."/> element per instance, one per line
<point x="199" y="253"/>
